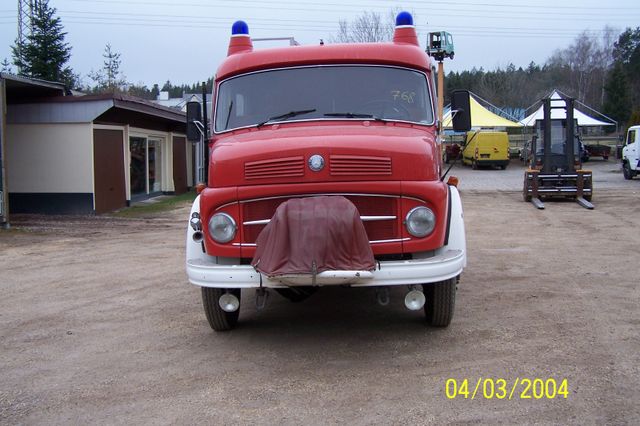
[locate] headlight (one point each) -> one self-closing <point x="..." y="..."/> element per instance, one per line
<point x="222" y="227"/>
<point x="420" y="221"/>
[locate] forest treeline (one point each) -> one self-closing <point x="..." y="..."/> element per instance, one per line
<point x="600" y="69"/>
<point x="601" y="73"/>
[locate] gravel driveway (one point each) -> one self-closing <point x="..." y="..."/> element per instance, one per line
<point x="98" y="325"/>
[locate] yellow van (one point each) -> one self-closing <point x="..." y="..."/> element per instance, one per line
<point x="486" y="149"/>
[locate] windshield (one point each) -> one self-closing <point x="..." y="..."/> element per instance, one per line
<point x="558" y="137"/>
<point x="323" y="92"/>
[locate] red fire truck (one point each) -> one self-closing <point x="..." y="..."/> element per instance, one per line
<point x="325" y="170"/>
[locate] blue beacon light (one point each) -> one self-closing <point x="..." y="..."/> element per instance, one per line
<point x="404" y="18"/>
<point x="240" y="28"/>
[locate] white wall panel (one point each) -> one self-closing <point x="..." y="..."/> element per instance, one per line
<point x="49" y="158"/>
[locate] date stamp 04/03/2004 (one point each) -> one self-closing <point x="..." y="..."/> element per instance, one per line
<point x="496" y="388"/>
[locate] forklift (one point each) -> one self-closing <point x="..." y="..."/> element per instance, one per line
<point x="555" y="169"/>
<point x="440" y="45"/>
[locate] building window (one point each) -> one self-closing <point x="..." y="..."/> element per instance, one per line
<point x="145" y="167"/>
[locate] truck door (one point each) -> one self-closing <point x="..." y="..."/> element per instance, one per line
<point x="632" y="149"/>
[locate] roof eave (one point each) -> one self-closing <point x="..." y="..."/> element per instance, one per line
<point x="156" y="110"/>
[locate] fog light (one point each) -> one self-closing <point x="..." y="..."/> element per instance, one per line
<point x="228" y="302"/>
<point x="414" y="300"/>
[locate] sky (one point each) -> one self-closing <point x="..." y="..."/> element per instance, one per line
<point x="185" y="41"/>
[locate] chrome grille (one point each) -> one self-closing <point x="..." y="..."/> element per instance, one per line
<point x="378" y="213"/>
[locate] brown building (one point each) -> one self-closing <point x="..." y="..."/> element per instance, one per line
<point x="89" y="154"/>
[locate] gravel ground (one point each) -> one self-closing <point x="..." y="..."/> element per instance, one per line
<point x="606" y="175"/>
<point x="98" y="325"/>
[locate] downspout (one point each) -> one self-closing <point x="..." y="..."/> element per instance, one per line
<point x="4" y="193"/>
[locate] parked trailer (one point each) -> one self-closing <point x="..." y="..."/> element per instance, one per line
<point x="597" y="150"/>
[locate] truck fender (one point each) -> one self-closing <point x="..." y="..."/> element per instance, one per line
<point x="455" y="239"/>
<point x="195" y="249"/>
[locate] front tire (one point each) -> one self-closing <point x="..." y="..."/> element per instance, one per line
<point x="525" y="190"/>
<point x="626" y="171"/>
<point x="218" y="319"/>
<point x="441" y="300"/>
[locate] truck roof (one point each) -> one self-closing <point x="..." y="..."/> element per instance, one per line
<point x="397" y="54"/>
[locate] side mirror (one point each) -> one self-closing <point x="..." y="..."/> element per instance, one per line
<point x="194" y="122"/>
<point x="461" y="111"/>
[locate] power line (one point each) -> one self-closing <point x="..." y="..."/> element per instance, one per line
<point x="516" y="34"/>
<point x="260" y="21"/>
<point x="367" y="5"/>
<point x="340" y="6"/>
<point x="464" y="4"/>
<point x="191" y="22"/>
<point x="197" y="22"/>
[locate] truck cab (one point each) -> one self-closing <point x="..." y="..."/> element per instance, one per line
<point x="631" y="153"/>
<point x="440" y="45"/>
<point x="325" y="170"/>
<point x="558" y="145"/>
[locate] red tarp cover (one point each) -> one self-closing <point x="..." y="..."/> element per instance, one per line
<point x="326" y="230"/>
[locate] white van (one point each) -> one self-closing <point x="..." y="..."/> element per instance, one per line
<point x="631" y="153"/>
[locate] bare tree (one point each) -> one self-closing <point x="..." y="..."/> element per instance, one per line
<point x="609" y="37"/>
<point x="581" y="69"/>
<point x="369" y="27"/>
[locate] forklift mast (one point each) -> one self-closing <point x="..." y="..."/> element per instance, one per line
<point x="556" y="147"/>
<point x="567" y="163"/>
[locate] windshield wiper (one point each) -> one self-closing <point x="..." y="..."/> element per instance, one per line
<point x="286" y="116"/>
<point x="226" y="123"/>
<point x="353" y="115"/>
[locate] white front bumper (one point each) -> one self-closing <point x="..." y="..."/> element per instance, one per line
<point x="449" y="261"/>
<point x="441" y="267"/>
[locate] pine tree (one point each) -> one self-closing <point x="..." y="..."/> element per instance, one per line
<point x="155" y="91"/>
<point x="45" y="53"/>
<point x="6" y="65"/>
<point x="618" y="100"/>
<point x="109" y="78"/>
<point x="627" y="52"/>
<point x="140" y="90"/>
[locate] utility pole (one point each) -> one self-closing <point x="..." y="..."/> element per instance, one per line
<point x="205" y="120"/>
<point x="440" y="47"/>
<point x="25" y="24"/>
<point x="440" y="96"/>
